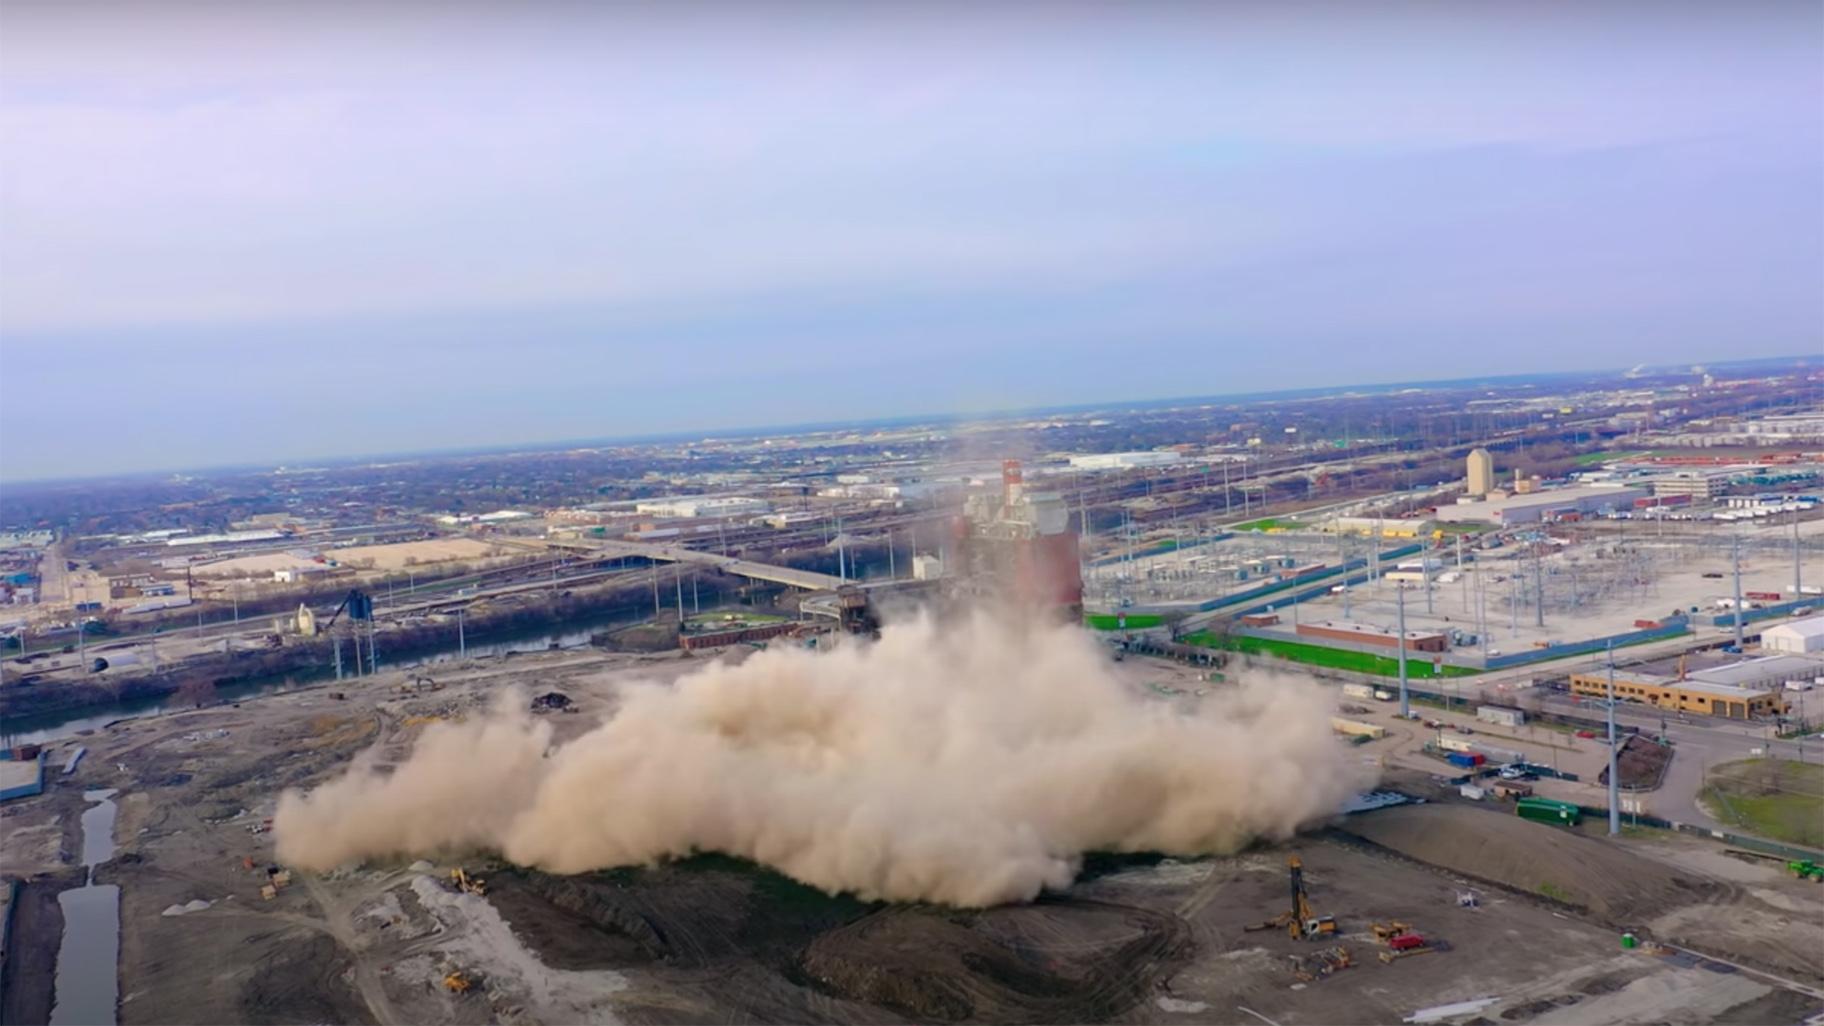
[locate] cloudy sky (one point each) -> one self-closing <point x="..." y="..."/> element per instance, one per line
<point x="272" y="232"/>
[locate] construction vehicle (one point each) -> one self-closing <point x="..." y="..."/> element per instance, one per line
<point x="1405" y="946"/>
<point x="466" y="884"/>
<point x="1805" y="869"/>
<point x="457" y="982"/>
<point x="1300" y="922"/>
<point x="1384" y="932"/>
<point x="1320" y="964"/>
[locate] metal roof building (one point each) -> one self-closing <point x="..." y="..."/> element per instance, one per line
<point x="1530" y="507"/>
<point x="1796" y="637"/>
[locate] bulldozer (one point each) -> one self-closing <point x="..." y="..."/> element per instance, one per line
<point x="457" y="982"/>
<point x="1300" y="921"/>
<point x="466" y="884"/>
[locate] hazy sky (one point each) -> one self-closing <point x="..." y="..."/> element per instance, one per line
<point x="269" y="232"/>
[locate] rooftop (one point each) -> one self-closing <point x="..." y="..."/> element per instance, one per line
<point x="1793" y="667"/>
<point x="1700" y="686"/>
<point x="1810" y="627"/>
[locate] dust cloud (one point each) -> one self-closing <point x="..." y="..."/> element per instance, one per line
<point x="970" y="764"/>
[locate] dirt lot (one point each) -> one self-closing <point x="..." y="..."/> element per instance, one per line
<point x="401" y="555"/>
<point x="1137" y="939"/>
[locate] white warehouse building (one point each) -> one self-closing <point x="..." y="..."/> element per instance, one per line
<point x="1532" y="507"/>
<point x="1798" y="637"/>
<point x="704" y="506"/>
<point x="1124" y="460"/>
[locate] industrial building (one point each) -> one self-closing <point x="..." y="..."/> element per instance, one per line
<point x="1481" y="476"/>
<point x="1370" y="634"/>
<point x="1694" y="696"/>
<point x="1798" y="637"/>
<point x="1018" y="544"/>
<point x="1534" y="507"/>
<point x="1704" y="483"/>
<point x="1396" y="527"/>
<point x="1124" y="460"/>
<point x="1770" y="671"/>
<point x="228" y="538"/>
<point x="704" y="506"/>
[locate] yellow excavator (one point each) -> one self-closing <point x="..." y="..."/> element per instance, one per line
<point x="466" y="884"/>
<point x="1300" y="922"/>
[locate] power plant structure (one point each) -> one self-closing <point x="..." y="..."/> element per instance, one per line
<point x="1018" y="546"/>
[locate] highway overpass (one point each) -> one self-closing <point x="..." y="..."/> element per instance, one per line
<point x="809" y="580"/>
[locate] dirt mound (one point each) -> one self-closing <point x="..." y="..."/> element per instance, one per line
<point x="1613" y="885"/>
<point x="709" y="909"/>
<point x="1060" y="960"/>
<point x="302" y="980"/>
<point x="1643" y="763"/>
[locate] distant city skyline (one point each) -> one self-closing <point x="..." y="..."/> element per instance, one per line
<point x="937" y="418"/>
<point x="281" y="233"/>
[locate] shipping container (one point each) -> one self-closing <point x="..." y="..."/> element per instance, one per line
<point x="1356" y="728"/>
<point x="1647" y="625"/>
<point x="1470" y="791"/>
<point x="1461" y="759"/>
<point x="1765" y="596"/>
<point x="1358" y="691"/>
<point x="1547" y="810"/>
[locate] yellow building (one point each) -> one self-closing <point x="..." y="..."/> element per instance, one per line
<point x="1394" y="527"/>
<point x="1481" y="477"/>
<point x="1695" y="696"/>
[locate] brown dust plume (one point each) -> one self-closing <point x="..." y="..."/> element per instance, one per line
<point x="969" y="764"/>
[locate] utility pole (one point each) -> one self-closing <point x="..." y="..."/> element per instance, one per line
<point x="677" y="576"/>
<point x="1798" y="586"/>
<point x="892" y="567"/>
<point x="338" y="642"/>
<point x="1538" y="586"/>
<point x="1347" y="589"/>
<point x="655" y="589"/>
<point x="1614" y="774"/>
<point x="1462" y="575"/>
<point x="1735" y="555"/>
<point x="1482" y="614"/>
<point x="1405" y="701"/>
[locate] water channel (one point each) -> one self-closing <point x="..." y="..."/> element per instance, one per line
<point x="87" y="981"/>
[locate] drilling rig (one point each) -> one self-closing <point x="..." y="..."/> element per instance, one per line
<point x="1299" y="921"/>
